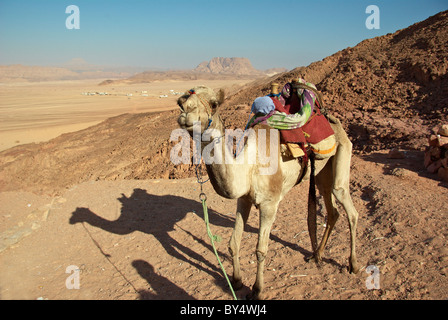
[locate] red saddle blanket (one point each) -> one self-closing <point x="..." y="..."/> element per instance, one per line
<point x="314" y="131"/>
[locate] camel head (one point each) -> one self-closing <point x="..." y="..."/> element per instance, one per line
<point x="198" y="104"/>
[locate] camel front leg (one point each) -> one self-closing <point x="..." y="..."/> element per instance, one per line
<point x="267" y="217"/>
<point x="242" y="214"/>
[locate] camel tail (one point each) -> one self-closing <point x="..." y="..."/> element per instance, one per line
<point x="312" y="207"/>
<point x="332" y="119"/>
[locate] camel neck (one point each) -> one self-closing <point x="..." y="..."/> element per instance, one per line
<point x="228" y="179"/>
<point x="216" y="123"/>
<point x="214" y="130"/>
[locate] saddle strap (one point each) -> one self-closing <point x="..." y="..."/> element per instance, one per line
<point x="307" y="87"/>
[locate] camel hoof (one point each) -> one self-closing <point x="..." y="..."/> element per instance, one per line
<point x="353" y="268"/>
<point x="237" y="284"/>
<point x="314" y="258"/>
<point x="255" y="295"/>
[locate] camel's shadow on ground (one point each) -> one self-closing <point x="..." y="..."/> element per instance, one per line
<point x="147" y="213"/>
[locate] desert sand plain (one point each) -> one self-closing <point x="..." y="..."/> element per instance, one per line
<point x="40" y="111"/>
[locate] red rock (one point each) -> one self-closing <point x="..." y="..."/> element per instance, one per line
<point x="395" y="154"/>
<point x="433" y="141"/>
<point x="443" y="141"/>
<point x="445" y="162"/>
<point x="442" y="173"/>
<point x="443" y="130"/>
<point x="427" y="160"/>
<point x="433" y="167"/>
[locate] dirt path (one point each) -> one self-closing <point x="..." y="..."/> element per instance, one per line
<point x="146" y="240"/>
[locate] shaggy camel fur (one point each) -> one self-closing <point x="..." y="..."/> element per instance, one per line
<point x="243" y="182"/>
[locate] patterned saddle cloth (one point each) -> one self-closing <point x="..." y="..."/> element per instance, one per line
<point x="296" y="113"/>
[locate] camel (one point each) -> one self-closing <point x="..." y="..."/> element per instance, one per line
<point x="244" y="183"/>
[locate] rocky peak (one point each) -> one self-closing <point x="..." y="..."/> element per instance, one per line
<point x="236" y="66"/>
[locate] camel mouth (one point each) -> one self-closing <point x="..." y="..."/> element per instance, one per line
<point x="182" y="121"/>
<point x="188" y="128"/>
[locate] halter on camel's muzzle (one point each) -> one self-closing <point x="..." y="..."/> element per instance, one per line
<point x="206" y="105"/>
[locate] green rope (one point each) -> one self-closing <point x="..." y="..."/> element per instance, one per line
<point x="214" y="238"/>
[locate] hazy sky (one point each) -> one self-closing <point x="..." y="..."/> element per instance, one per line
<point x="182" y="33"/>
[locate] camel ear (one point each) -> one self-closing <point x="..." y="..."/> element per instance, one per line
<point x="220" y="96"/>
<point x="181" y="101"/>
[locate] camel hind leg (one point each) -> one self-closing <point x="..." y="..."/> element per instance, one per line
<point x="341" y="190"/>
<point x="324" y="182"/>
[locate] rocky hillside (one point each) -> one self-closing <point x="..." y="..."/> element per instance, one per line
<point x="130" y="146"/>
<point x="388" y="92"/>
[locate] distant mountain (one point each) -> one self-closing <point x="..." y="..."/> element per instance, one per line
<point x="21" y="73"/>
<point x="273" y="71"/>
<point x="216" y="68"/>
<point x="79" y="69"/>
<point x="80" y="65"/>
<point x="234" y="66"/>
<point x="75" y="69"/>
